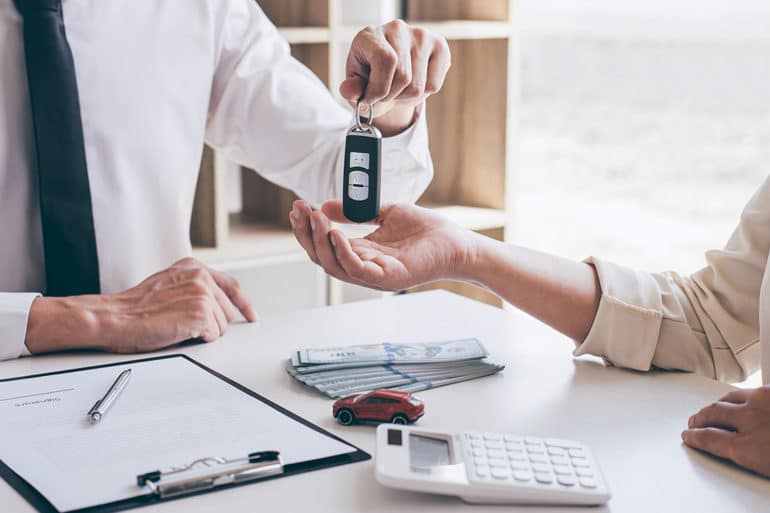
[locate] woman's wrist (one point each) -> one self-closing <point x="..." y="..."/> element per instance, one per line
<point x="474" y="259"/>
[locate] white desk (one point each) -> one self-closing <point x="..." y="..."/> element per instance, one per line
<point x="631" y="420"/>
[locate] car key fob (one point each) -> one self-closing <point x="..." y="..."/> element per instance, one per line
<point x="361" y="182"/>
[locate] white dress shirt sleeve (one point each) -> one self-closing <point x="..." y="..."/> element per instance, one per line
<point x="270" y="113"/>
<point x="706" y="323"/>
<point x="14" y="312"/>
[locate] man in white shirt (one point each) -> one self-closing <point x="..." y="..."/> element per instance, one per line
<point x="134" y="93"/>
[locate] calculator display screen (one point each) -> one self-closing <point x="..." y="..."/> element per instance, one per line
<point x="428" y="452"/>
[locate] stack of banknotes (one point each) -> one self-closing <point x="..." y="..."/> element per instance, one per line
<point x="341" y="371"/>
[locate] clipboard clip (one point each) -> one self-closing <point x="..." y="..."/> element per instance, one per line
<point x="209" y="473"/>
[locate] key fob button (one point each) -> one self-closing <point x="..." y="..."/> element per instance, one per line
<point x="358" y="193"/>
<point x="358" y="186"/>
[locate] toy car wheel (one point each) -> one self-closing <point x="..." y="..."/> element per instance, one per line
<point x="345" y="417"/>
<point x="400" y="419"/>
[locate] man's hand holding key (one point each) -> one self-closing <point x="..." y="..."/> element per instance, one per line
<point x="394" y="68"/>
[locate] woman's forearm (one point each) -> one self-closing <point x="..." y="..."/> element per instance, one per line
<point x="562" y="293"/>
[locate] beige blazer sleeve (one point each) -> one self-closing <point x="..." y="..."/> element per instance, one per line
<point x="706" y="323"/>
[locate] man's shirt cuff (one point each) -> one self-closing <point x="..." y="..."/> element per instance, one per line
<point x="14" y="314"/>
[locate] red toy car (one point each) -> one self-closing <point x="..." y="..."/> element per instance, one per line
<point x="379" y="405"/>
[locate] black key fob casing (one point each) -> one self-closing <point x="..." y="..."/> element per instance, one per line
<point x="361" y="183"/>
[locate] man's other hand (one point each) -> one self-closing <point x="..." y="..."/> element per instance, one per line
<point x="186" y="301"/>
<point x="394" y="67"/>
<point x="412" y="246"/>
<point x="736" y="428"/>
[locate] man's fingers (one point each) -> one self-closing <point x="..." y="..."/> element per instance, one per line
<point x="398" y="35"/>
<point x="352" y="88"/>
<point x="220" y="317"/>
<point x="720" y="414"/>
<point x="211" y="324"/>
<point x="737" y="396"/>
<point x="419" y="60"/>
<point x="438" y="67"/>
<point x="712" y="440"/>
<point x="376" y="61"/>
<point x="300" y="222"/>
<point x="234" y="295"/>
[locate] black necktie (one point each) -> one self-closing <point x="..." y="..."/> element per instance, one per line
<point x="71" y="264"/>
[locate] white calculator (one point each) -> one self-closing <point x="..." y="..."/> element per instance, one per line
<point x="489" y="468"/>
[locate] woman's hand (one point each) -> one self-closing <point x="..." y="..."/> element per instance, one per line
<point x="737" y="428"/>
<point x="394" y="67"/>
<point x="412" y="246"/>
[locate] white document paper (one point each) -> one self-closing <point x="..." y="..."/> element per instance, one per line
<point x="171" y="413"/>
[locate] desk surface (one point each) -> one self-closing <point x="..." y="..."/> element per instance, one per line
<point x="631" y="420"/>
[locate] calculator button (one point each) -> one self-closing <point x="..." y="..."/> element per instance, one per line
<point x="522" y="475"/>
<point x="533" y="440"/>
<point x="564" y="444"/>
<point x="566" y="480"/>
<point x="580" y="462"/>
<point x="584" y="472"/>
<point x="534" y="449"/>
<point x="494" y="444"/>
<point x="559" y="460"/>
<point x="520" y="465"/>
<point x="518" y="456"/>
<point x="498" y="463"/>
<point x="480" y="461"/>
<point x="513" y="439"/>
<point x="500" y="473"/>
<point x="562" y="470"/>
<point x="513" y="446"/>
<point x="543" y="478"/>
<point x="557" y="451"/>
<point x="579" y="453"/>
<point x="540" y="458"/>
<point x="479" y="452"/>
<point x="495" y="453"/>
<point x="482" y="472"/>
<point x="587" y="482"/>
<point x="540" y="467"/>
<point x="493" y="436"/>
<point x="477" y="444"/>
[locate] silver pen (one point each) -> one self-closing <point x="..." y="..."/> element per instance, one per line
<point x="99" y="409"/>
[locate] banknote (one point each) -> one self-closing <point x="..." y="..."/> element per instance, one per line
<point x="424" y="352"/>
<point x="399" y="379"/>
<point x="356" y="371"/>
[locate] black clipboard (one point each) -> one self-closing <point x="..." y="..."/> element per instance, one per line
<point x="39" y="502"/>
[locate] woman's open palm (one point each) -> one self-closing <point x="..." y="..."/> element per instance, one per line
<point x="411" y="246"/>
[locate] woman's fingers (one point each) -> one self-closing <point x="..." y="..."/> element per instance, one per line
<point x="737" y="396"/>
<point x="303" y="231"/>
<point x="323" y="246"/>
<point x="353" y="266"/>
<point x="720" y="414"/>
<point x="712" y="440"/>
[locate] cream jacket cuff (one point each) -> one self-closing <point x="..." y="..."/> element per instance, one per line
<point x="627" y="324"/>
<point x="14" y="312"/>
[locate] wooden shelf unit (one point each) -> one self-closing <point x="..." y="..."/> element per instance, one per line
<point x="471" y="127"/>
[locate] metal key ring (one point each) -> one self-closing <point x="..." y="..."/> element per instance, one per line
<point x="368" y="124"/>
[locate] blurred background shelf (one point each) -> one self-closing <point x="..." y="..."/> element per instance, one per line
<point x="240" y="220"/>
<point x="299" y="35"/>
